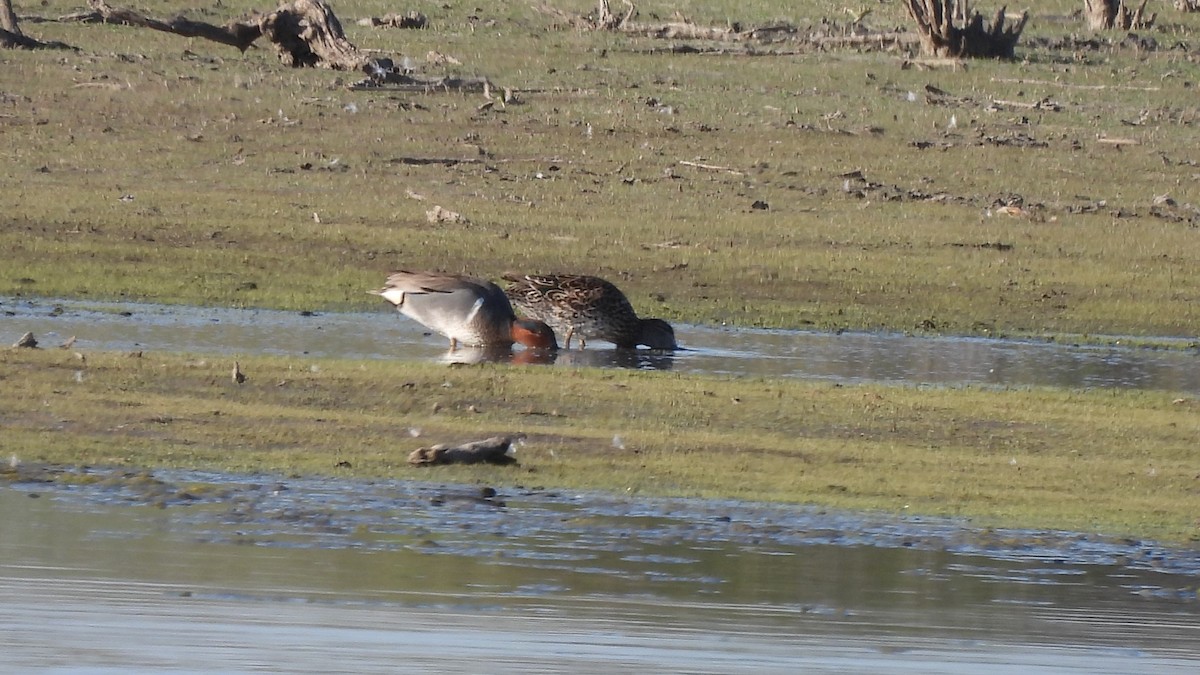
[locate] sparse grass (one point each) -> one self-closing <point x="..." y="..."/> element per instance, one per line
<point x="1113" y="462"/>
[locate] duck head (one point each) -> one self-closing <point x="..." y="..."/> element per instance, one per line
<point x="533" y="334"/>
<point x="657" y="334"/>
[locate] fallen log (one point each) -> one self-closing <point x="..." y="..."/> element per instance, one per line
<point x="411" y="20"/>
<point x="492" y="450"/>
<point x="235" y="34"/>
<point x="304" y="33"/>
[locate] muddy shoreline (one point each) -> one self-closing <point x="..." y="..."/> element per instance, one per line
<point x="333" y="511"/>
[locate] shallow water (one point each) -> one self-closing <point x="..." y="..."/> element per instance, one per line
<point x="204" y="573"/>
<point x="848" y="357"/>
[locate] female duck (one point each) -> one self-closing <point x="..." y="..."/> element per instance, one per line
<point x="589" y="307"/>
<point x="470" y="311"/>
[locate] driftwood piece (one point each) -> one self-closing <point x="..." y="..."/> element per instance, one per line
<point x="304" y="33"/>
<point x="942" y="37"/>
<point x="492" y="450"/>
<point x="1187" y="5"/>
<point x="411" y="19"/>
<point x="1117" y="14"/>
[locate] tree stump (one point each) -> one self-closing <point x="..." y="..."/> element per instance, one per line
<point x="1110" y="14"/>
<point x="941" y="38"/>
<point x="306" y="34"/>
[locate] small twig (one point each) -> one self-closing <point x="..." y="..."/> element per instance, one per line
<point x="1044" y="104"/>
<point x="1118" y="141"/>
<point x="935" y="62"/>
<point x="711" y="167"/>
<point x="101" y="85"/>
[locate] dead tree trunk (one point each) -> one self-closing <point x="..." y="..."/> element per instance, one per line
<point x="11" y="36"/>
<point x="940" y="36"/>
<point x="307" y="34"/>
<point x="8" y="19"/>
<point x="1110" y="14"/>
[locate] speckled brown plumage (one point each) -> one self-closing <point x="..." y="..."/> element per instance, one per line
<point x="587" y="307"/>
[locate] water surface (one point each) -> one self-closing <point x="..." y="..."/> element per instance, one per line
<point x="202" y="573"/>
<point x="846" y="357"/>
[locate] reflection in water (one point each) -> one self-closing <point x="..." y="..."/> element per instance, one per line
<point x="498" y="354"/>
<point x="848" y="357"/>
<point x="640" y="359"/>
<point x="374" y="577"/>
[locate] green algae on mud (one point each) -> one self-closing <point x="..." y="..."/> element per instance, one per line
<point x="1113" y="462"/>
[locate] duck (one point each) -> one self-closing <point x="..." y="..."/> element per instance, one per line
<point x="470" y="311"/>
<point x="588" y="307"/>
